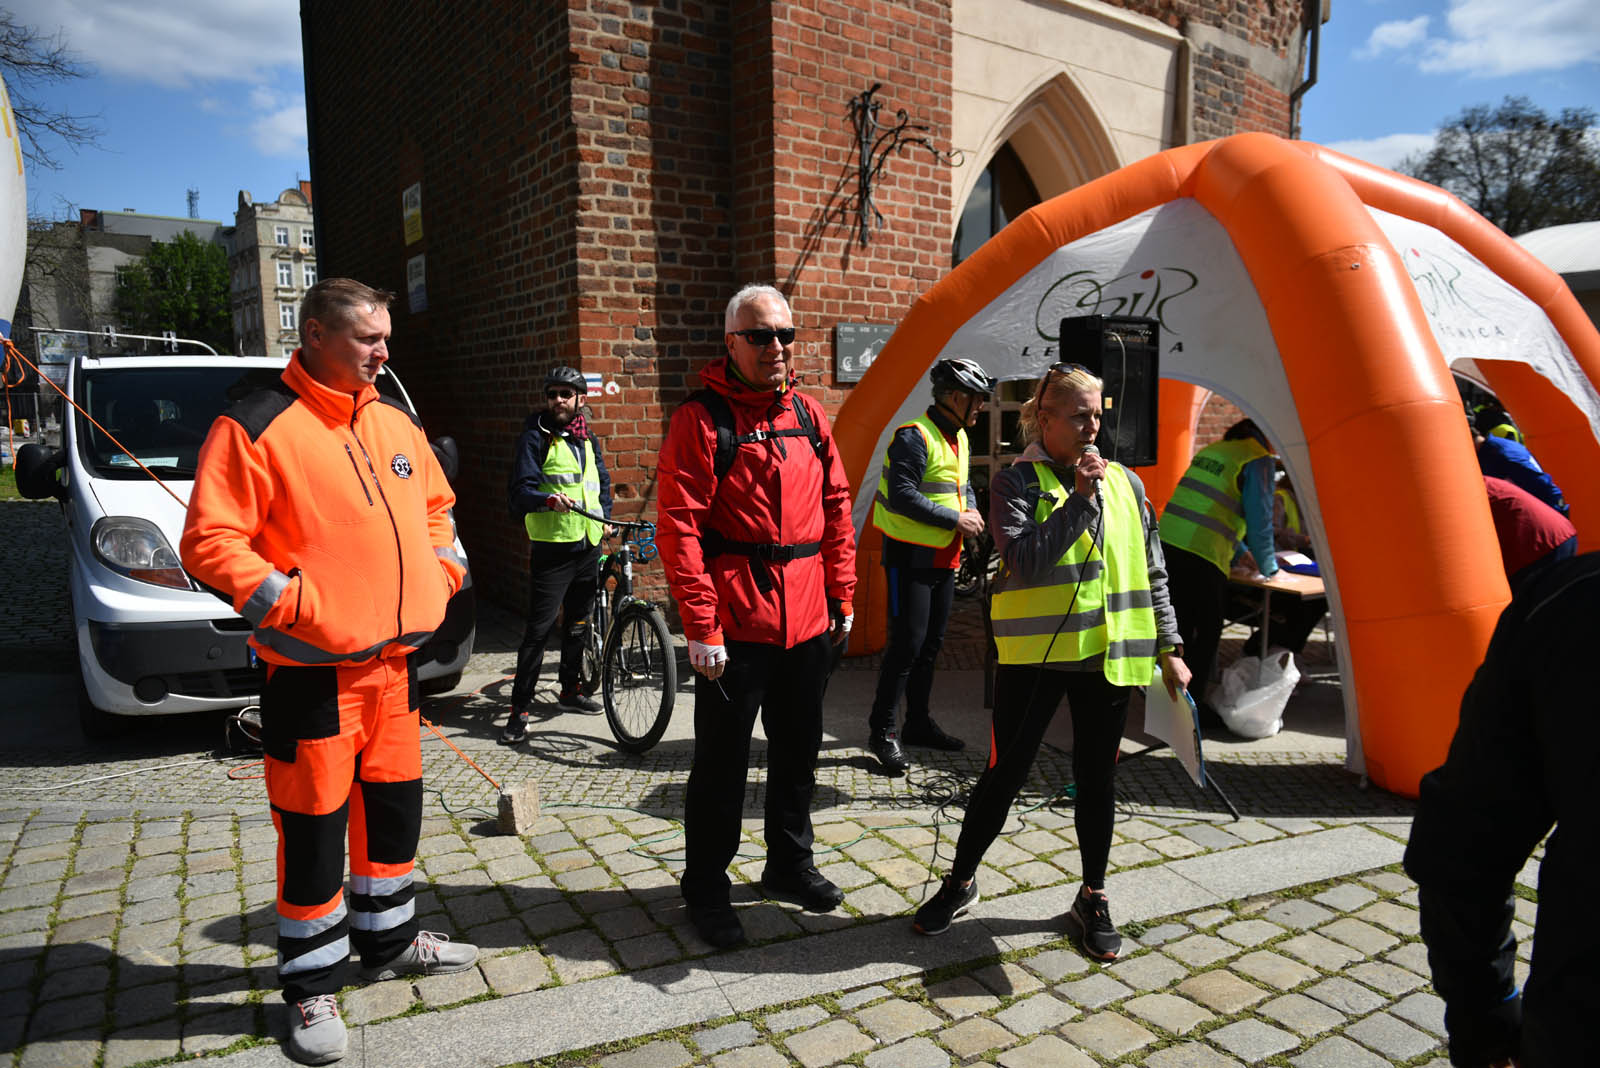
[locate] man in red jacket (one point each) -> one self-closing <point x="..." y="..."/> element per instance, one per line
<point x="321" y="515"/>
<point x="759" y="551"/>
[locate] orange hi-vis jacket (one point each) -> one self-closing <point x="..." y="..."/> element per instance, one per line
<point x="324" y="519"/>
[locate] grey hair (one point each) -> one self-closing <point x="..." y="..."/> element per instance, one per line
<point x="752" y="292"/>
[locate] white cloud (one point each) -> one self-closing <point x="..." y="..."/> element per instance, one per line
<point x="1493" y="38"/>
<point x="1385" y="151"/>
<point x="1395" y="36"/>
<point x="281" y="131"/>
<point x="176" y="43"/>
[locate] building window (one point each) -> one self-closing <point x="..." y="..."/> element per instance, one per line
<point x="308" y="237"/>
<point x="310" y="275"/>
<point x="281" y="235"/>
<point x="286" y="316"/>
<point x="1003" y="192"/>
<point x="286" y="274"/>
<point x="288" y="351"/>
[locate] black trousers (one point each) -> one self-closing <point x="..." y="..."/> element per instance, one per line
<point x="919" y="611"/>
<point x="1025" y="701"/>
<point x="563" y="577"/>
<point x="1199" y="595"/>
<point x="785" y="686"/>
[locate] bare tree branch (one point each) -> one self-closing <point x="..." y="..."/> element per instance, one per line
<point x="30" y="61"/>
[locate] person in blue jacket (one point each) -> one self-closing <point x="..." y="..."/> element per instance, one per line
<point x="1504" y="458"/>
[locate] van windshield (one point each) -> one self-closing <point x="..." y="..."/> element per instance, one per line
<point x="161" y="415"/>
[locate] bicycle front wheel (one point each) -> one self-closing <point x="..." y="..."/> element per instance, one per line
<point x="639" y="673"/>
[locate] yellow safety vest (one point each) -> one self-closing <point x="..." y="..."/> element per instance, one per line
<point x="563" y="475"/>
<point x="944" y="482"/>
<point x="1107" y="586"/>
<point x="1205" y="514"/>
<point x="1291" y="511"/>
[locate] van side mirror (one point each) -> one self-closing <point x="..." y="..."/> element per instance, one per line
<point x="448" y="455"/>
<point x="38" y="468"/>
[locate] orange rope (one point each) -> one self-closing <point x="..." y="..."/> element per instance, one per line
<point x="6" y="369"/>
<point x="459" y="753"/>
<point x="14" y="353"/>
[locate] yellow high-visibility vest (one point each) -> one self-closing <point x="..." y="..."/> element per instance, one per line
<point x="563" y="475"/>
<point x="1107" y="587"/>
<point x="944" y="482"/>
<point x="1205" y="514"/>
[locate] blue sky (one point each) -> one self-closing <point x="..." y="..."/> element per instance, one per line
<point x="208" y="94"/>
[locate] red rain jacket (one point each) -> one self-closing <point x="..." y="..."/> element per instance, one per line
<point x="778" y="491"/>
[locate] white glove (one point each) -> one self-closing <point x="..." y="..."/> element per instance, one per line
<point x="708" y="660"/>
<point x="846" y="623"/>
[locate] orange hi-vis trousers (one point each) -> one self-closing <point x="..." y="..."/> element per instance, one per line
<point x="342" y="752"/>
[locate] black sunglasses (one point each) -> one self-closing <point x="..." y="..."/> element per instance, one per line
<point x="563" y="394"/>
<point x="1068" y="368"/>
<point x="762" y="338"/>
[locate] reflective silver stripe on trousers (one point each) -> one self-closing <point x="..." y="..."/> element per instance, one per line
<point x="450" y="554"/>
<point x="563" y="478"/>
<point x="1198" y="520"/>
<point x="385" y="920"/>
<point x="323" y="956"/>
<point x="261" y="600"/>
<point x="1225" y="499"/>
<point x="288" y="928"/>
<point x="393" y="884"/>
<point x="306" y="653"/>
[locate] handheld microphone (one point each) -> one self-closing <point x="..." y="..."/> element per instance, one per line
<point x="1092" y="449"/>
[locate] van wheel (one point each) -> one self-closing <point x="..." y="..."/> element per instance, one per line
<point x="442" y="684"/>
<point x="96" y="723"/>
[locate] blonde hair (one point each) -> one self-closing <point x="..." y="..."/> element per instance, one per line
<point x="1060" y="379"/>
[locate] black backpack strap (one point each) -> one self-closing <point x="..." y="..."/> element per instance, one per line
<point x="802" y="415"/>
<point x="728" y="442"/>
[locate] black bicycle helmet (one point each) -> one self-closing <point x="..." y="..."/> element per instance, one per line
<point x="962" y="374"/>
<point x="569" y="377"/>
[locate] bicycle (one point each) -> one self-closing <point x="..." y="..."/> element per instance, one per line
<point x="979" y="563"/>
<point x="629" y="655"/>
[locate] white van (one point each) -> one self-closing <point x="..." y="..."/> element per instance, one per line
<point x="151" y="641"/>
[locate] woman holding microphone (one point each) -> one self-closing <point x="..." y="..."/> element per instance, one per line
<point x="1080" y="611"/>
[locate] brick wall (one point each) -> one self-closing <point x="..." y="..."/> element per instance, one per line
<point x="599" y="176"/>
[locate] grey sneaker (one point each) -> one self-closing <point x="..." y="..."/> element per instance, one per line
<point x="428" y="954"/>
<point x="316" y="1032"/>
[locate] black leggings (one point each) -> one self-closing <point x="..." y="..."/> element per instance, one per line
<point x="1025" y="700"/>
<point x="919" y="609"/>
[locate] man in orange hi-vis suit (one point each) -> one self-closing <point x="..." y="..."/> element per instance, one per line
<point x="321" y="515"/>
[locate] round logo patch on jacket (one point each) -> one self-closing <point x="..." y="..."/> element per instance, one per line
<point x="400" y="465"/>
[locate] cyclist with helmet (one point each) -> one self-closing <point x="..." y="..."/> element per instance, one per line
<point x="925" y="507"/>
<point x="557" y="467"/>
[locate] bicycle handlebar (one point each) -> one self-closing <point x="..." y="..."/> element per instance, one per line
<point x="644" y="541"/>
<point x="639" y="523"/>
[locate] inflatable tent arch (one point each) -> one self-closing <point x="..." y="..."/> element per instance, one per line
<point x="1326" y="297"/>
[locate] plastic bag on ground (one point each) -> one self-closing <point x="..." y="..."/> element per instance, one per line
<point x="1254" y="693"/>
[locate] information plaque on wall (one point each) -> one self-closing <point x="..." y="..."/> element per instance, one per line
<point x="855" y="346"/>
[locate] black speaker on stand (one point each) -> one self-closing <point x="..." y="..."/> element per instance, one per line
<point x="1123" y="351"/>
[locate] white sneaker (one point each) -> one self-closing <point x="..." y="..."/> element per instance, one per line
<point x="428" y="954"/>
<point x="316" y="1032"/>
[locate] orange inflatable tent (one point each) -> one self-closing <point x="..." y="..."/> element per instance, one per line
<point x="1327" y="298"/>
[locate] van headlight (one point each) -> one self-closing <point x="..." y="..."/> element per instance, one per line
<point x="136" y="547"/>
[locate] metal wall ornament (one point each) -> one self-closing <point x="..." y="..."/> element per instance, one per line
<point x="874" y="144"/>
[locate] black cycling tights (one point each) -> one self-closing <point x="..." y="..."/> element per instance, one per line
<point x="1025" y="700"/>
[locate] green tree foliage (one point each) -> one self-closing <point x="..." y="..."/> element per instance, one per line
<point x="1517" y="166"/>
<point x="182" y="285"/>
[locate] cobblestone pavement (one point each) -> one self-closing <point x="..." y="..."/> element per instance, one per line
<point x="136" y="921"/>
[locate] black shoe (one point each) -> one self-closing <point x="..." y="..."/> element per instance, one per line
<point x="1091" y="916"/>
<point x="717" y="924"/>
<point x="951" y="901"/>
<point x="516" y="728"/>
<point x="577" y="702"/>
<point x="809" y="889"/>
<point x="926" y="733"/>
<point x="885" y="746"/>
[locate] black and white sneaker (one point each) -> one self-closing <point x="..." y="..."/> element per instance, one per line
<point x="1091" y="917"/>
<point x="578" y="702"/>
<point x="516" y="728"/>
<point x="951" y="901"/>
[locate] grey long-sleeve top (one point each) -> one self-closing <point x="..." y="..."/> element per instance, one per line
<point x="1030" y="548"/>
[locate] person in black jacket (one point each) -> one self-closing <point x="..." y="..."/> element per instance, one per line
<point x="925" y="507"/>
<point x="1523" y="760"/>
<point x="557" y="468"/>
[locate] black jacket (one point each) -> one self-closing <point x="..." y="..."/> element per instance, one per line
<point x="908" y="462"/>
<point x="1525" y="757"/>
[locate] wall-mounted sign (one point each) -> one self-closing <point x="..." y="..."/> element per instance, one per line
<point x="411" y="211"/>
<point x="855" y="346"/>
<point x="417" y="284"/>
